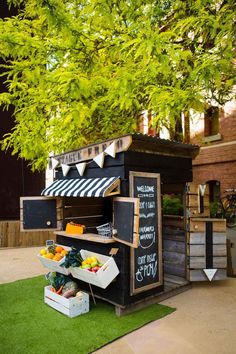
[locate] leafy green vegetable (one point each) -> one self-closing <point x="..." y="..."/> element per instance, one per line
<point x="72" y="259"/>
<point x="58" y="280"/>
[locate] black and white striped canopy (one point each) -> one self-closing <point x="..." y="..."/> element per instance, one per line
<point x="85" y="187"/>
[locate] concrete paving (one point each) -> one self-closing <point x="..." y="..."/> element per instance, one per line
<point x="204" y="322"/>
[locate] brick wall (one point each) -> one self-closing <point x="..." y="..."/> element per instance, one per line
<point x="217" y="159"/>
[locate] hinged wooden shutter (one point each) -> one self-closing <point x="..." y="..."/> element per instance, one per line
<point x="126" y="220"/>
<point x="40" y="213"/>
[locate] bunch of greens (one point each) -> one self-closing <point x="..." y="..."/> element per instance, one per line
<point x="72" y="259"/>
<point x="58" y="280"/>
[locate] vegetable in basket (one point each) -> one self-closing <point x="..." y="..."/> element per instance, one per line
<point x="72" y="259"/>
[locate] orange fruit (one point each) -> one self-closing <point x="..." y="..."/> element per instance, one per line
<point x="58" y="249"/>
<point x="57" y="257"/>
<point x="50" y="255"/>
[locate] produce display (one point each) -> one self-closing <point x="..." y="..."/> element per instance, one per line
<point x="74" y="259"/>
<point x="54" y="252"/>
<point x="92" y="264"/>
<point x="63" y="285"/>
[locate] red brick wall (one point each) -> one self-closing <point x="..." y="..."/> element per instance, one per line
<point x="223" y="172"/>
<point x="217" y="160"/>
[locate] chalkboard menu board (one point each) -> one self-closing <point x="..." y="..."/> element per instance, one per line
<point x="146" y="260"/>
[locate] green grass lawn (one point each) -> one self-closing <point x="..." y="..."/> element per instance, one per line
<point x="28" y="326"/>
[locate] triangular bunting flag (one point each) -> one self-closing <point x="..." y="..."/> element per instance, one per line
<point x="111" y="150"/>
<point x="81" y="167"/>
<point x="65" y="169"/>
<point x="210" y="273"/>
<point x="54" y="162"/>
<point x="99" y="159"/>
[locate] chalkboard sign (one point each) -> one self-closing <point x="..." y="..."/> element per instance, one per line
<point x="146" y="260"/>
<point x="126" y="220"/>
<point x="39" y="213"/>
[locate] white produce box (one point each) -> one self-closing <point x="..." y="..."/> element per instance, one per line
<point x="55" y="265"/>
<point x="103" y="277"/>
<point x="71" y="307"/>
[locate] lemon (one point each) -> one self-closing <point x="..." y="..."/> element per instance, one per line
<point x="43" y="251"/>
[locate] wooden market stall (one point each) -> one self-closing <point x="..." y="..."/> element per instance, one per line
<point x="121" y="182"/>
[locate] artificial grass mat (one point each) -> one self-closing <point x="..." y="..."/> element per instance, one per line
<point x="28" y="326"/>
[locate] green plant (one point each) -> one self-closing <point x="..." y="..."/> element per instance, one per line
<point x="80" y="72"/>
<point x="172" y="206"/>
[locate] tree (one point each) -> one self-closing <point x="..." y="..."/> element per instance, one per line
<point x="81" y="71"/>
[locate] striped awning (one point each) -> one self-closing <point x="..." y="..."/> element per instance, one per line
<point x="85" y="187"/>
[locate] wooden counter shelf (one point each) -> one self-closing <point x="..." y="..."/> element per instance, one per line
<point x="86" y="237"/>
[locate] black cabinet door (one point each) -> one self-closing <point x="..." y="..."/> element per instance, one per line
<point x="40" y="213"/>
<point x="126" y="220"/>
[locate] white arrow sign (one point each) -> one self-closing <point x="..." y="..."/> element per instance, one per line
<point x="202" y="188"/>
<point x="210" y="273"/>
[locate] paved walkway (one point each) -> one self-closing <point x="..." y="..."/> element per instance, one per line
<point x="204" y="322"/>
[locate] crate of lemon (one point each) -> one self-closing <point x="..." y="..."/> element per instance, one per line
<point x="53" y="256"/>
<point x="96" y="269"/>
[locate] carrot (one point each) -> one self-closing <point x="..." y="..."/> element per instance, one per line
<point x="59" y="291"/>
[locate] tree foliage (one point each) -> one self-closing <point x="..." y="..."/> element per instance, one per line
<point x="82" y="71"/>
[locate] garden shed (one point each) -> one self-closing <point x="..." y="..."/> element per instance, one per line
<point x="121" y="182"/>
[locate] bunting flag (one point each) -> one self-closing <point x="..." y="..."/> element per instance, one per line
<point x="111" y="150"/>
<point x="99" y="159"/>
<point x="81" y="167"/>
<point x="65" y="169"/>
<point x="54" y="162"/>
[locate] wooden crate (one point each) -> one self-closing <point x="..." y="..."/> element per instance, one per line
<point x="55" y="266"/>
<point x="206" y="249"/>
<point x="103" y="277"/>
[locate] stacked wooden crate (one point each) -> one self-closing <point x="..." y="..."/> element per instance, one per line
<point x="206" y="238"/>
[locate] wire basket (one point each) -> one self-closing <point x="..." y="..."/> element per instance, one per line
<point x="105" y="230"/>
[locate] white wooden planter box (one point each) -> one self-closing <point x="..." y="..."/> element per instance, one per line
<point x="104" y="275"/>
<point x="71" y="307"/>
<point x="55" y="265"/>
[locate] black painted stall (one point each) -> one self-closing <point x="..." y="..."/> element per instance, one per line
<point x="146" y="167"/>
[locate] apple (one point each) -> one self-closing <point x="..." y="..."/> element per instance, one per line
<point x="95" y="269"/>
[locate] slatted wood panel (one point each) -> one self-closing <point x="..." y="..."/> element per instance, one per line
<point x="206" y="248"/>
<point x="177" y="222"/>
<point x="199" y="275"/>
<point x="11" y="236"/>
<point x="90" y="212"/>
<point x="174" y="245"/>
<point x="199" y="225"/>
